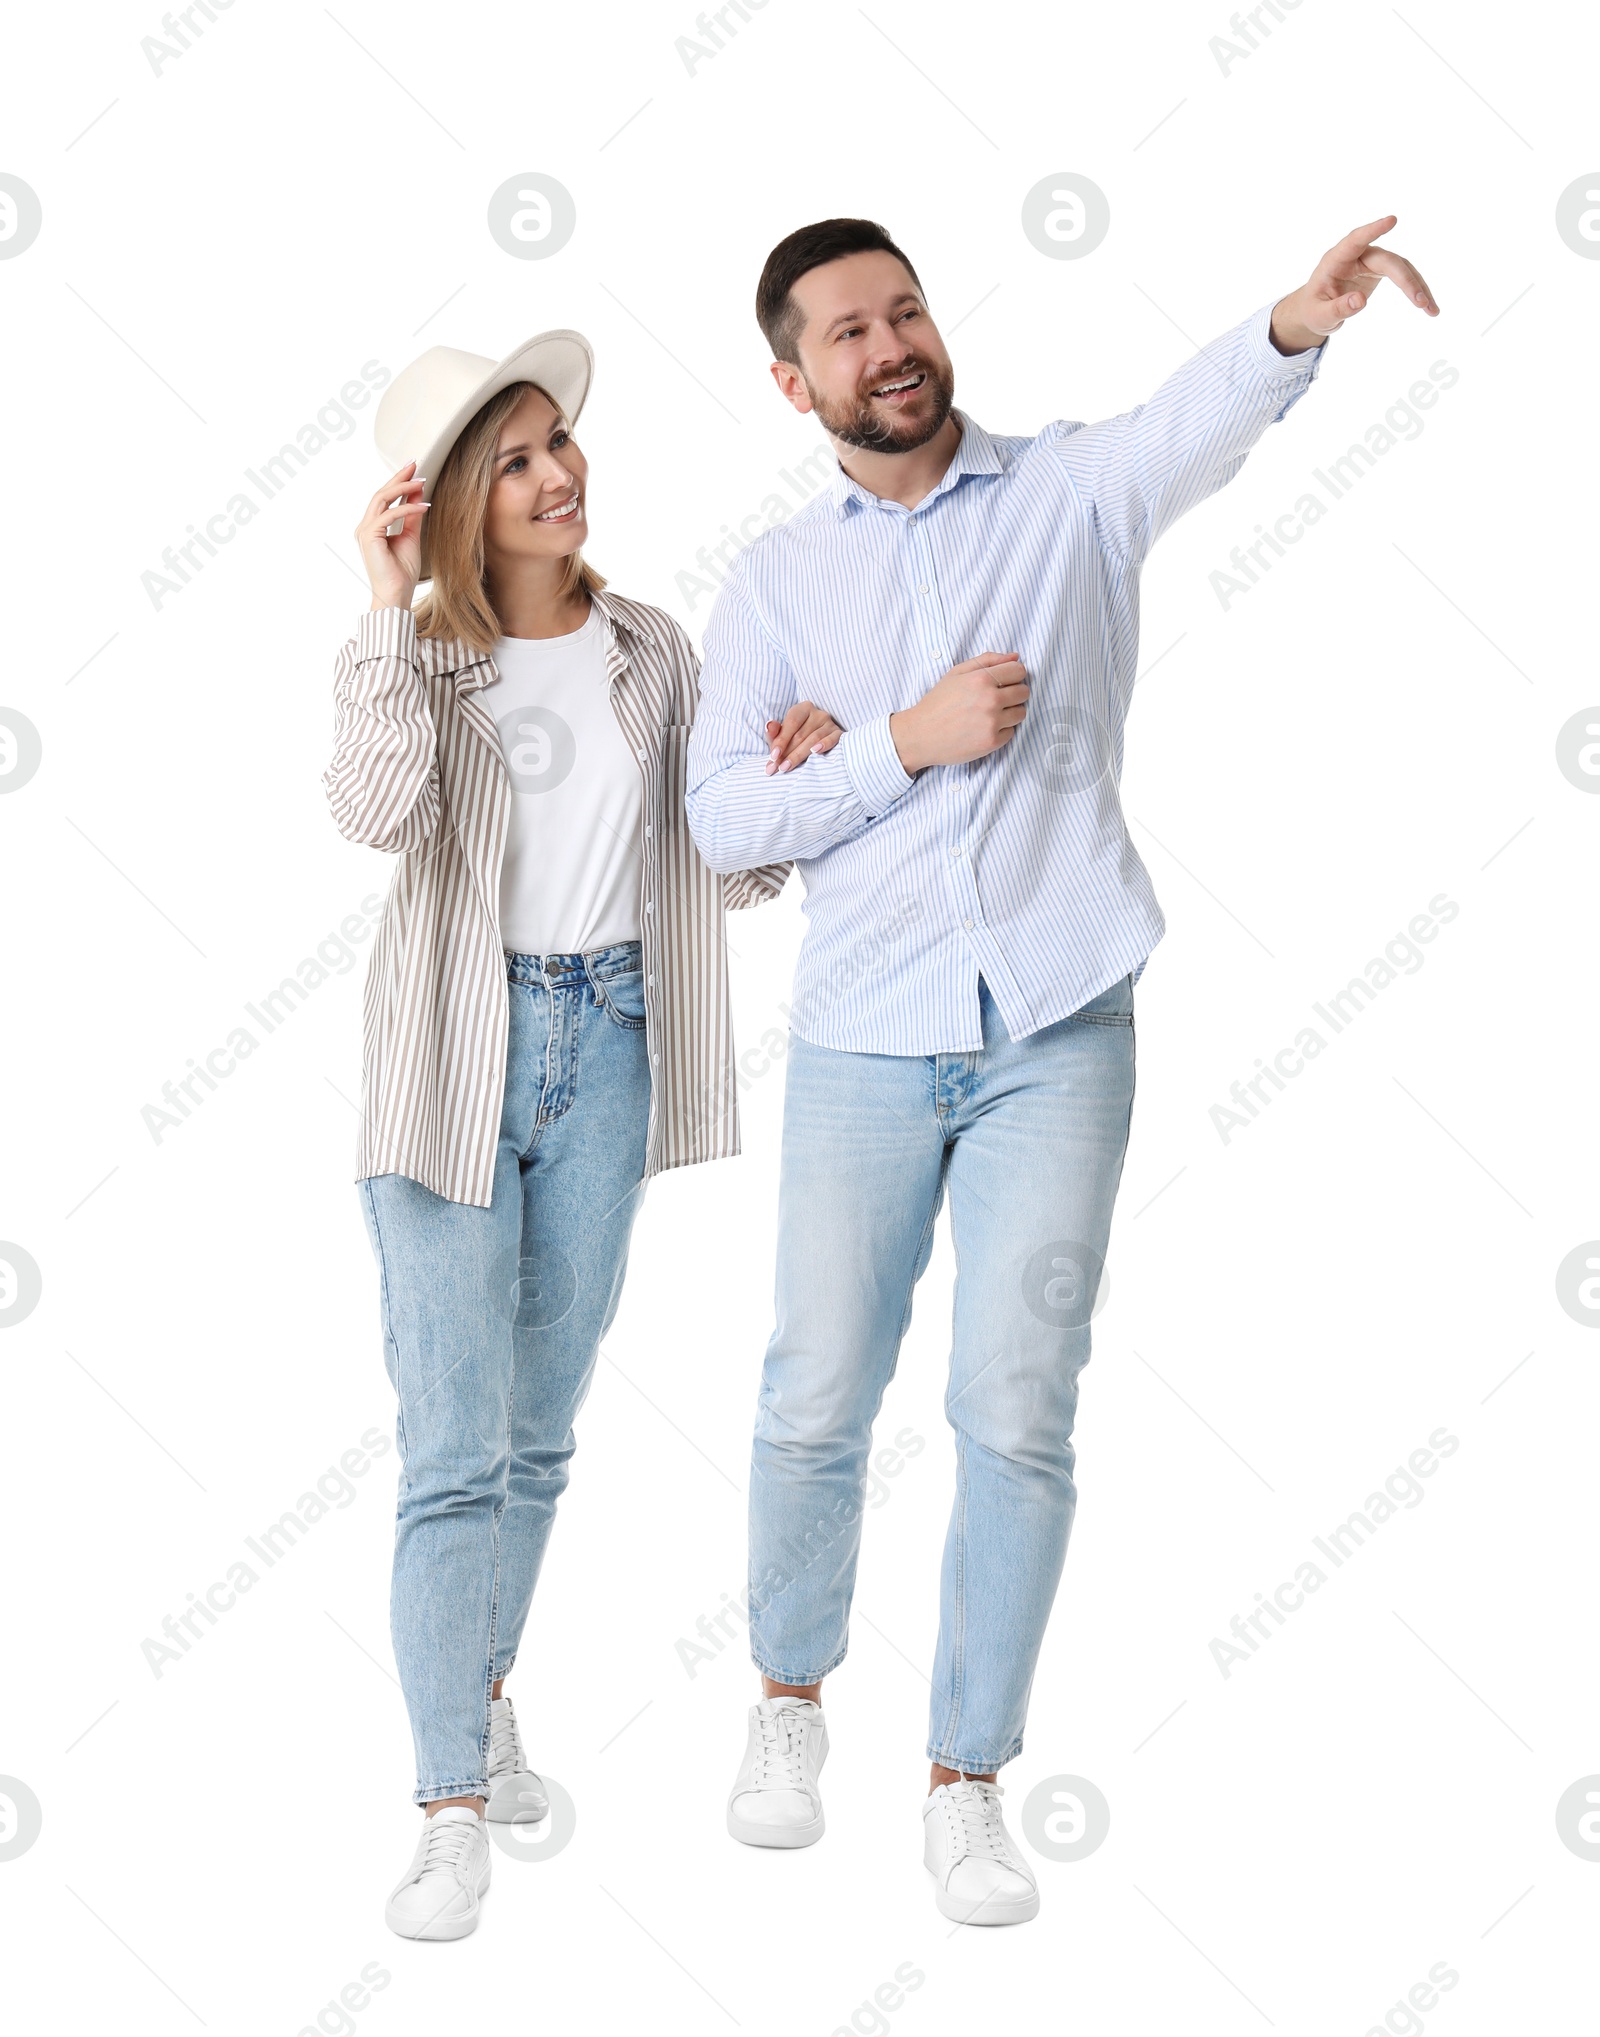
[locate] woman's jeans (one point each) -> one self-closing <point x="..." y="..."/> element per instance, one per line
<point x="492" y="1325"/>
<point x="1029" y="1138"/>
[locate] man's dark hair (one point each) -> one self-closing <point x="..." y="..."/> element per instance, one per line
<point x="777" y="314"/>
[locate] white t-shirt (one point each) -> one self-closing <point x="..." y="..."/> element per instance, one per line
<point x="571" y="877"/>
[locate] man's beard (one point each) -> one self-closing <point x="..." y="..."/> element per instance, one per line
<point x="861" y="422"/>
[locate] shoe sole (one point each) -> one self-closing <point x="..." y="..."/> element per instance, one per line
<point x="751" y="1834"/>
<point x="994" y="1910"/>
<point x="442" y="1929"/>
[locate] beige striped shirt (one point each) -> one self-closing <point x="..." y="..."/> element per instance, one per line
<point x="418" y="769"/>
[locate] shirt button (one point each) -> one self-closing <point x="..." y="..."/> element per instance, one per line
<point x="923" y="588"/>
<point x="640" y="755"/>
<point x="957" y="853"/>
<point x="650" y="983"/>
<point x="967" y="924"/>
<point x="648" y="833"/>
<point x="649" y="905"/>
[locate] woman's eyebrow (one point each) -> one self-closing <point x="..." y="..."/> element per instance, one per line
<point x="506" y="452"/>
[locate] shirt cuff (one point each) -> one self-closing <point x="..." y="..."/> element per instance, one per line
<point x="873" y="766"/>
<point x="1281" y="367"/>
<point x="386" y="633"/>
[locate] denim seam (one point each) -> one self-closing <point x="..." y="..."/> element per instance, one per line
<point x="388" y="1329"/>
<point x="1127" y="1130"/>
<point x="571" y="1057"/>
<point x="958" y="1637"/>
<point x="539" y="1118"/>
<point x="494" y="1597"/>
<point x="478" y="1787"/>
<point x="542" y="1117"/>
<point x="804" y="1677"/>
<point x="494" y="1625"/>
<point x="525" y="1153"/>
<point x="937" y="1061"/>
<point x="958" y="1654"/>
<point x="980" y="1764"/>
<point x="500" y="1516"/>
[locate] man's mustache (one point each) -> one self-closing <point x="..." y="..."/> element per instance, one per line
<point x="910" y="367"/>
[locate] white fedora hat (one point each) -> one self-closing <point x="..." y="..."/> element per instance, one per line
<point x="429" y="404"/>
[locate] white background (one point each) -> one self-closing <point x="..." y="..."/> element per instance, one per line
<point x="1292" y="1312"/>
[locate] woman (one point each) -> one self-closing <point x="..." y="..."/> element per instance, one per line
<point x="545" y="1019"/>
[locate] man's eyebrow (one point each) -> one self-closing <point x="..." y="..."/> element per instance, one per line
<point x="856" y="317"/>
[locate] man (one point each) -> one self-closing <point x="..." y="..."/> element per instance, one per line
<point x="966" y="607"/>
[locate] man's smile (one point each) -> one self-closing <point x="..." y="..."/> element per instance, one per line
<point x="900" y="391"/>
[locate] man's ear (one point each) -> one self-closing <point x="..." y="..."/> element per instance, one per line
<point x="792" y="386"/>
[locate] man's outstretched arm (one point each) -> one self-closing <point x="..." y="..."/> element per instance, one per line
<point x="1139" y="472"/>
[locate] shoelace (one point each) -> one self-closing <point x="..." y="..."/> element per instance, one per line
<point x="446" y="1850"/>
<point x="505" y="1745"/>
<point x="977" y="1805"/>
<point x="779" y="1758"/>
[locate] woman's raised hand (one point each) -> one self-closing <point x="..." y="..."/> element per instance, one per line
<point x="394" y="563"/>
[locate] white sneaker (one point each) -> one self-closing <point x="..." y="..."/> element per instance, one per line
<point x="775" y="1801"/>
<point x="449" y="1871"/>
<point x="980" y="1877"/>
<point x="516" y="1795"/>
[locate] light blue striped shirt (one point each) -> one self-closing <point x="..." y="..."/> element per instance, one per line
<point x="1018" y="866"/>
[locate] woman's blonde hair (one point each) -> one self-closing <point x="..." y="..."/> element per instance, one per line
<point x="457" y="603"/>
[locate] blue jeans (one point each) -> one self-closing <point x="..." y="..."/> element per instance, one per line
<point x="492" y="1323"/>
<point x="1028" y="1138"/>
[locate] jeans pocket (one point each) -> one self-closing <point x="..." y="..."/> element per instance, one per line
<point x="624" y="998"/>
<point x="1113" y="1007"/>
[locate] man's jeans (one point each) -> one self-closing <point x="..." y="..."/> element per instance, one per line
<point x="1029" y="1139"/>
<point x="492" y="1325"/>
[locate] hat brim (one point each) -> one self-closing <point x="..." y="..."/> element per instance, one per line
<point x="560" y="361"/>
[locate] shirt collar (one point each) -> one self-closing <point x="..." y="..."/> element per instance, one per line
<point x="474" y="669"/>
<point x="613" y="612"/>
<point x="976" y="453"/>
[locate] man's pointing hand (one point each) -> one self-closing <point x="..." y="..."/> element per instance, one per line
<point x="1339" y="287"/>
